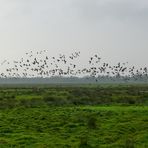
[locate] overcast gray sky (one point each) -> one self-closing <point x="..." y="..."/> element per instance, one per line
<point x="117" y="29"/>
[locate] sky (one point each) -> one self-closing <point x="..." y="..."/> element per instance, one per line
<point x="115" y="29"/>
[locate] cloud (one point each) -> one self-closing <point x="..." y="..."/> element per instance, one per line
<point x="98" y="10"/>
<point x="117" y="25"/>
<point x="92" y="11"/>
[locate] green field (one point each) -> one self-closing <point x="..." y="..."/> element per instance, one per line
<point x="74" y="116"/>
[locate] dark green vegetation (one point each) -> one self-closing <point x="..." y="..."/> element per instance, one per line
<point x="74" y="116"/>
<point x="73" y="95"/>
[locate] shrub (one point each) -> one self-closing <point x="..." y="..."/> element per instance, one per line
<point x="129" y="143"/>
<point x="92" y="122"/>
<point x="83" y="142"/>
<point x="56" y="100"/>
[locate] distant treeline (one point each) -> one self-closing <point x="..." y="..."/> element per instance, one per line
<point x="74" y="80"/>
<point x="79" y="95"/>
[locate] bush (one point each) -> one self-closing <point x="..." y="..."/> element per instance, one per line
<point x="56" y="100"/>
<point x="92" y="123"/>
<point x="129" y="143"/>
<point x="83" y="142"/>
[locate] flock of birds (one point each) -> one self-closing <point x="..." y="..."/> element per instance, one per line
<point x="39" y="64"/>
